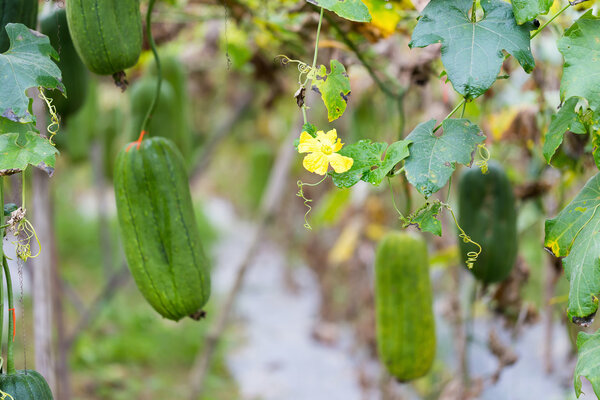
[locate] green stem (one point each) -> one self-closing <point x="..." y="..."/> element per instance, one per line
<point x="534" y="34"/>
<point x="1" y="256"/>
<point x="459" y="105"/>
<point x="474" y="12"/>
<point x="158" y="69"/>
<point x="10" y="360"/>
<point x="314" y="63"/>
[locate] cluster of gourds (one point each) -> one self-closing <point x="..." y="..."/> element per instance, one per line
<point x="156" y="216"/>
<point x="403" y="294"/>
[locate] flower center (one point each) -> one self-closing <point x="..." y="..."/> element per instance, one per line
<point x="327" y="150"/>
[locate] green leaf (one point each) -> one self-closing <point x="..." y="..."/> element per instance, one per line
<point x="17" y="150"/>
<point x="526" y="10"/>
<point x="426" y="219"/>
<point x="353" y="10"/>
<point x="580" y="46"/>
<point x="433" y="158"/>
<point x="9" y="208"/>
<point x="334" y="88"/>
<point x="8" y="126"/>
<point x="588" y="361"/>
<point x="24" y="65"/>
<point x="565" y="119"/>
<point x="472" y="52"/>
<point x="575" y="234"/>
<point x="368" y="164"/>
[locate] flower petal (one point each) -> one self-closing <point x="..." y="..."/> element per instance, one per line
<point x="329" y="138"/>
<point x="340" y="163"/>
<point x="316" y="162"/>
<point x="338" y="145"/>
<point x="308" y="144"/>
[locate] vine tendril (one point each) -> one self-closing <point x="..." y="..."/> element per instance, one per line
<point x="471" y="255"/>
<point x="5" y="395"/>
<point x="307" y="201"/>
<point x="484" y="154"/>
<point x="54" y="120"/>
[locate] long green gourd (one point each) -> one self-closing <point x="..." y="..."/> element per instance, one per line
<point x="159" y="230"/>
<point x="16" y="11"/>
<point x="75" y="75"/>
<point x="488" y="214"/>
<point x="107" y="34"/>
<point x="405" y="323"/>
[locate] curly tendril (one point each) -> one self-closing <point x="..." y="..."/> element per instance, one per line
<point x="24" y="232"/>
<point x="471" y="255"/>
<point x="303" y="68"/>
<point x="484" y="154"/>
<point x="54" y="121"/>
<point x="307" y="201"/>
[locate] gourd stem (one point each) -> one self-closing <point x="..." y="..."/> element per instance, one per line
<point x="541" y="28"/>
<point x="10" y="360"/>
<point x="158" y="69"/>
<point x="2" y="227"/>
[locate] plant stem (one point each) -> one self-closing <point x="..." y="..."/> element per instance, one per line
<point x="10" y="360"/>
<point x="158" y="69"/>
<point x="534" y="34"/>
<point x="474" y="12"/>
<point x="459" y="105"/>
<point x="314" y="63"/>
<point x="2" y="257"/>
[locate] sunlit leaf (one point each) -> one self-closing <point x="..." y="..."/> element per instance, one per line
<point x="575" y="234"/>
<point x="334" y="88"/>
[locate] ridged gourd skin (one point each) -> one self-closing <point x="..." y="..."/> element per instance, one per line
<point x="25" y="385"/>
<point x="16" y="11"/>
<point x="487" y="213"/>
<point x="158" y="228"/>
<point x="107" y="34"/>
<point x="75" y="75"/>
<point x="405" y="323"/>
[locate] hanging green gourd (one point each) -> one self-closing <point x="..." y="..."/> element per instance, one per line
<point x="405" y="323"/>
<point x="156" y="218"/>
<point x="487" y="212"/>
<point x="16" y="11"/>
<point x="107" y="34"/>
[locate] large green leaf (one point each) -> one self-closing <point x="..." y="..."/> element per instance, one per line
<point x="472" y="51"/>
<point x="334" y="88"/>
<point x="580" y="46"/>
<point x="526" y="10"/>
<point x="588" y="361"/>
<point x="24" y="65"/>
<point x="433" y="158"/>
<point x="369" y="163"/>
<point x="575" y="234"/>
<point x="354" y="10"/>
<point x="565" y="119"/>
<point x="17" y="150"/>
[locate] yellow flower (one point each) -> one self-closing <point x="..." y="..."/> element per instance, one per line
<point x="323" y="151"/>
